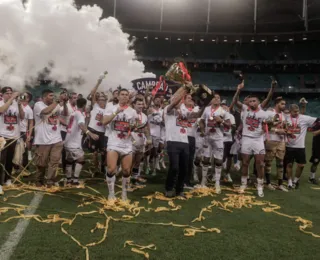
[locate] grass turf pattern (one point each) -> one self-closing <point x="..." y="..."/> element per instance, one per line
<point x="246" y="233"/>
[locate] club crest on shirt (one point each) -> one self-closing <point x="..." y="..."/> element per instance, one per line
<point x="10" y="118"/>
<point x="212" y="123"/>
<point x="253" y="122"/>
<point x="294" y="129"/>
<point x="99" y="117"/>
<point x="182" y="122"/>
<point x="53" y="119"/>
<point x="156" y="118"/>
<point x="122" y="124"/>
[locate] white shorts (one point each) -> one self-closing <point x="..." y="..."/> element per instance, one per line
<point x="213" y="148"/>
<point x="74" y="154"/>
<point x="138" y="148"/>
<point x="163" y="135"/>
<point x="199" y="147"/>
<point x="250" y="145"/>
<point x="155" y="141"/>
<point x="121" y="151"/>
<point x="235" y="148"/>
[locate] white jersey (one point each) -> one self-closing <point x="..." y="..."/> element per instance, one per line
<point x="280" y="117"/>
<point x="74" y="133"/>
<point x="108" y="127"/>
<point x="253" y="122"/>
<point x="192" y="122"/>
<point x="96" y="116"/>
<point x="120" y="127"/>
<point x="10" y="121"/>
<point x="28" y="115"/>
<point x="176" y="123"/>
<point x="71" y="109"/>
<point x="227" y="131"/>
<point x="298" y="126"/>
<point x="138" y="135"/>
<point x="47" y="127"/>
<point x="155" y="119"/>
<point x="213" y="129"/>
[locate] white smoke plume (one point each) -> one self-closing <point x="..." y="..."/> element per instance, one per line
<point x="72" y="43"/>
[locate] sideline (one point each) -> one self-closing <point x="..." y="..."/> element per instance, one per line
<point x="7" y="249"/>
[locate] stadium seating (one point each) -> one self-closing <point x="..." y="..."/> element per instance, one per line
<point x="225" y="51"/>
<point x="289" y="80"/>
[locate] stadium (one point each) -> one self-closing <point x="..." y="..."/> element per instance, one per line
<point x="262" y="40"/>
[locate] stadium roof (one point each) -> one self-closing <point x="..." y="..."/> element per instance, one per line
<point x="214" y="17"/>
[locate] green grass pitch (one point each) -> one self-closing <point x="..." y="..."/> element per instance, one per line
<point x="246" y="233"/>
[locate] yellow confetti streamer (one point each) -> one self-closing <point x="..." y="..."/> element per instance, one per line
<point x="139" y="249"/>
<point x="132" y="210"/>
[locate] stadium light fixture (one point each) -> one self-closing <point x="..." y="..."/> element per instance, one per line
<point x="275" y="40"/>
<point x="146" y="37"/>
<point x="290" y="40"/>
<point x="263" y="40"/>
<point x="304" y="38"/>
<point x="213" y="40"/>
<point x="190" y="40"/>
<point x="252" y="40"/>
<point x="225" y="40"/>
<point x="201" y="40"/>
<point x="237" y="40"/>
<point x="179" y="39"/>
<point x="156" y="38"/>
<point x="167" y="39"/>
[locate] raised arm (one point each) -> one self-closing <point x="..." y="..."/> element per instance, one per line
<point x="94" y="90"/>
<point x="303" y="106"/>
<point x="235" y="99"/>
<point x="21" y="111"/>
<point x="176" y="99"/>
<point x="6" y="105"/>
<point x="270" y="94"/>
<point x="49" y="109"/>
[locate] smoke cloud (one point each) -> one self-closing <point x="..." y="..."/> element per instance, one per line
<point x="75" y="45"/>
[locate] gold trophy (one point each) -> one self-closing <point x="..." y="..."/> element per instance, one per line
<point x="179" y="74"/>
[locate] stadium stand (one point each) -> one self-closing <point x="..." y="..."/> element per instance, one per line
<point x="225" y="51"/>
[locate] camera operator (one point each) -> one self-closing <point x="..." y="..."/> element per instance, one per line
<point x="11" y="112"/>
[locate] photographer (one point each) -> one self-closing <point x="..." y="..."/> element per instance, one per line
<point x="11" y="112"/>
